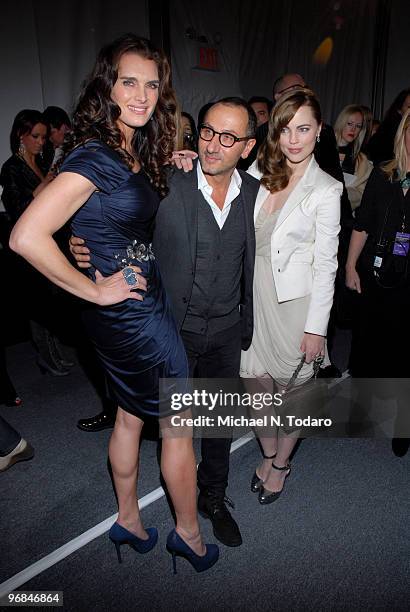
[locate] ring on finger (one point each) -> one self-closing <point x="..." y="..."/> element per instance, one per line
<point x="130" y="277"/>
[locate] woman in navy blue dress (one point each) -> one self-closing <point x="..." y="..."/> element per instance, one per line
<point x="110" y="184"/>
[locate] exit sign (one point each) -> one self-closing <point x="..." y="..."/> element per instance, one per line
<point x="208" y="58"/>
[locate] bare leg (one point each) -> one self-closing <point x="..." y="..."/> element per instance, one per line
<point x="178" y="467"/>
<point x="269" y="444"/>
<point x="269" y="448"/>
<point x="123" y="452"/>
<point x="275" y="479"/>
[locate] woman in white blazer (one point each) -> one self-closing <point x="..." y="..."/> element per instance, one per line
<point x="297" y="215"/>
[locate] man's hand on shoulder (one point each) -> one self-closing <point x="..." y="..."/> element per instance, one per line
<point x="80" y="252"/>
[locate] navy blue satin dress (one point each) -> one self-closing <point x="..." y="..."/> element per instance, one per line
<point x="137" y="342"/>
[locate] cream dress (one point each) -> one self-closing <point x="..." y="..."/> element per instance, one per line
<point x="278" y="327"/>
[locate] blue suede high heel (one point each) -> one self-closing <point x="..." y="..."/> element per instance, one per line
<point x="119" y="535"/>
<point x="177" y="546"/>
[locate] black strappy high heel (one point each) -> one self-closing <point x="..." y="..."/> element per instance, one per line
<point x="266" y="496"/>
<point x="257" y="482"/>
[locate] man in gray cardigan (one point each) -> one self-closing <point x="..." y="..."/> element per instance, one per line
<point x="204" y="241"/>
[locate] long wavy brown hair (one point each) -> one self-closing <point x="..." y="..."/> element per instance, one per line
<point x="96" y="114"/>
<point x="271" y="161"/>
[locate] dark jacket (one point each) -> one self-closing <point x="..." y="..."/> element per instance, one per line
<point x="382" y="213"/>
<point x="380" y="147"/>
<point x="175" y="241"/>
<point x="18" y="181"/>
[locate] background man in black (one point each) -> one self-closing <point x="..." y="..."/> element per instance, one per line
<point x="262" y="107"/>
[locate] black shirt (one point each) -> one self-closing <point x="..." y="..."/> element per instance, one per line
<point x="347" y="164"/>
<point x="380" y="147"/>
<point x="18" y="181"/>
<point x="383" y="212"/>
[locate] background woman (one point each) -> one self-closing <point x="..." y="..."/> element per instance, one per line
<point x="23" y="176"/>
<point x="111" y="183"/>
<point x="382" y="223"/>
<point x="350" y="130"/>
<point x="297" y="215"/>
<point x="378" y="269"/>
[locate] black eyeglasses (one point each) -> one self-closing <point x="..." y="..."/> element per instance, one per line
<point x="225" y="138"/>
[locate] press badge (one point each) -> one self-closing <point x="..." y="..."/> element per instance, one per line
<point x="401" y="244"/>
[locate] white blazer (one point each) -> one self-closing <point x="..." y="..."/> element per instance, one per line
<point x="304" y="243"/>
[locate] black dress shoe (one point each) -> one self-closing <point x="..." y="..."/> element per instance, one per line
<point x="400" y="446"/>
<point x="97" y="423"/>
<point x="212" y="505"/>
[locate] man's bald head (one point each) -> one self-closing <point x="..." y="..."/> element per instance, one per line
<point x="286" y="83"/>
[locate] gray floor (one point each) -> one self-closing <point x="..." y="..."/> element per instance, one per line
<point x="337" y="539"/>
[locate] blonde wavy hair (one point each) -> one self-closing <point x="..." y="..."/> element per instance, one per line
<point x="341" y="122"/>
<point x="271" y="161"/>
<point x="399" y="163"/>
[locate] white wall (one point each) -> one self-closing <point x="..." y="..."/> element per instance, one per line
<point x="47" y="49"/>
<point x="262" y="39"/>
<point x="20" y="74"/>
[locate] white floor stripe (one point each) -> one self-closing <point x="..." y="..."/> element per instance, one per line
<point x="64" y="551"/>
<point x="67" y="549"/>
<point x="59" y="554"/>
<point x="241" y="441"/>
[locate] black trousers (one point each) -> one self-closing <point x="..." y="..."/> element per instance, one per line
<point x="9" y="437"/>
<point x="214" y="356"/>
<point x="7" y="390"/>
<point x="381" y="332"/>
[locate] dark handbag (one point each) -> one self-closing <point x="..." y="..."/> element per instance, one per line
<point x="303" y="405"/>
<point x="345" y="302"/>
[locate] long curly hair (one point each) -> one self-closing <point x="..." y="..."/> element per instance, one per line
<point x="96" y="114"/>
<point x="271" y="161"/>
